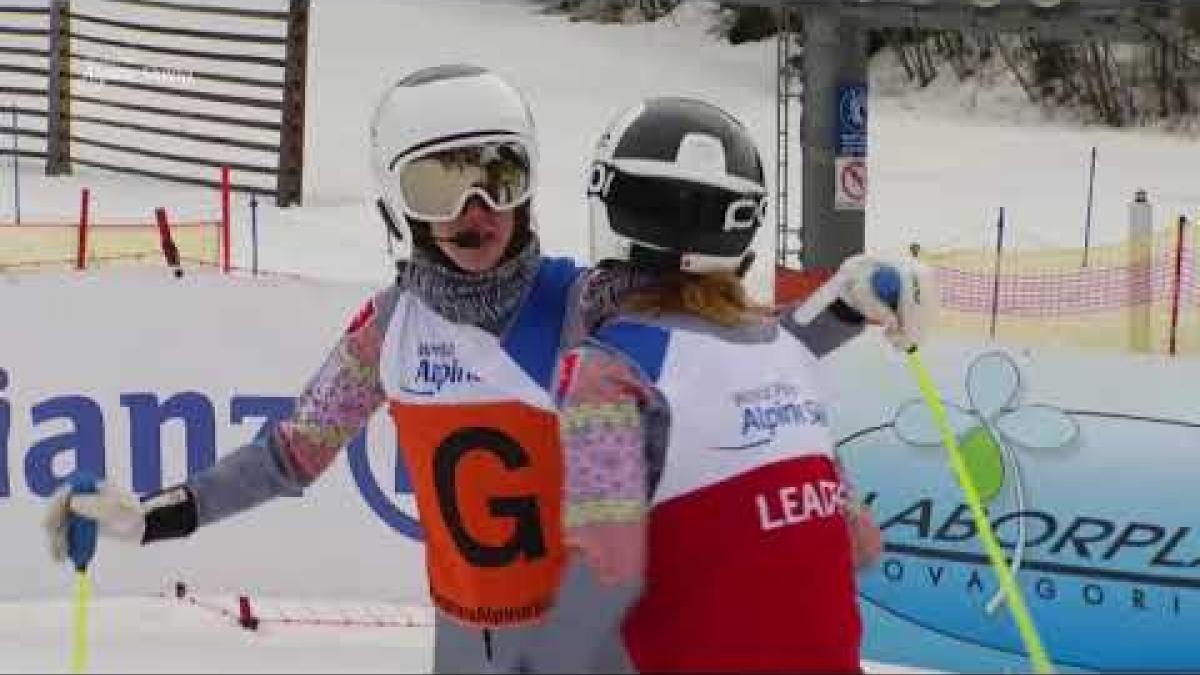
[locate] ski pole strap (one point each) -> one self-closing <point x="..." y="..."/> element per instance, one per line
<point x="81" y="532"/>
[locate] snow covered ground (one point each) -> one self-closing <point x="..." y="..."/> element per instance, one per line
<point x="153" y="635"/>
<point x="942" y="162"/>
<point x="156" y="635"/>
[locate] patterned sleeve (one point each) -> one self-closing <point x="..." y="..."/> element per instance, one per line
<point x="336" y="404"/>
<point x="600" y="399"/>
<point x="338" y="401"/>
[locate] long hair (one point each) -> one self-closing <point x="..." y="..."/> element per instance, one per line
<point x="718" y="297"/>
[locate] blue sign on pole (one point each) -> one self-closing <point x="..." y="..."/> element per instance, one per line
<point x="851" y="138"/>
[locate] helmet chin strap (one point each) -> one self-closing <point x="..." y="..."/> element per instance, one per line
<point x="389" y="220"/>
<point x="423" y="237"/>
<point x="744" y="266"/>
<point x="422" y="234"/>
<point x="695" y="263"/>
<point x="393" y="231"/>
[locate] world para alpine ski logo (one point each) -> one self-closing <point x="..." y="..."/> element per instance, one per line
<point x="438" y="367"/>
<point x="764" y="411"/>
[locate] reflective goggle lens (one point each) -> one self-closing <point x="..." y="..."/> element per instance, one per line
<point x="436" y="187"/>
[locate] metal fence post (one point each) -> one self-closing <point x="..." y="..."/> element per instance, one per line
<point x="1141" y="273"/>
<point x="254" y="233"/>
<point x="16" y="154"/>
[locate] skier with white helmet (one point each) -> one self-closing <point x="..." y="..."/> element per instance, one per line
<point x="701" y="483"/>
<point x="454" y="159"/>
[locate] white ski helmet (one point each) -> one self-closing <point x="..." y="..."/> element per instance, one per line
<point x="443" y="108"/>
<point x="676" y="183"/>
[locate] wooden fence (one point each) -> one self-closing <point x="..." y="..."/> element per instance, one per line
<point x="159" y="88"/>
<point x="24" y="35"/>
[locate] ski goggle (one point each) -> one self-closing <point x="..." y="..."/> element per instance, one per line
<point x="706" y="208"/>
<point x="435" y="187"/>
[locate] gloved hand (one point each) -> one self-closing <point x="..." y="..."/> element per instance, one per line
<point x="905" y="321"/>
<point x="118" y="514"/>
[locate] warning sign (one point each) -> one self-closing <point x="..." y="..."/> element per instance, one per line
<point x="851" y="180"/>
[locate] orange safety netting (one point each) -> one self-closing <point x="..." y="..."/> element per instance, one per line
<point x="54" y="246"/>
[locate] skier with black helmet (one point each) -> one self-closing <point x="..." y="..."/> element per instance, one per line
<point x="701" y="483"/>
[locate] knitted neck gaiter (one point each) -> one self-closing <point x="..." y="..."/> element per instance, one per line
<point x="488" y="300"/>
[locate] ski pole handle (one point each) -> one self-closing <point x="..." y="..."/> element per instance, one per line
<point x="81" y="531"/>
<point x="887" y="284"/>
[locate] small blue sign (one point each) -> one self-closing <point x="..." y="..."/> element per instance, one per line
<point x="852" y="120"/>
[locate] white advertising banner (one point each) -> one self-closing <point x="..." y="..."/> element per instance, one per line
<point x="144" y="378"/>
<point x="1086" y="460"/>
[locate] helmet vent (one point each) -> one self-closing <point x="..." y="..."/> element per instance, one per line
<point x="701" y="155"/>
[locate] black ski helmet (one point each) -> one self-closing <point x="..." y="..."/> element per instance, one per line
<point x="676" y="183"/>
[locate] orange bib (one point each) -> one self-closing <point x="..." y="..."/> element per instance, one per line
<point x="489" y="491"/>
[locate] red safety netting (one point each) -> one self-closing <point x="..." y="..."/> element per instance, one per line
<point x="1140" y="295"/>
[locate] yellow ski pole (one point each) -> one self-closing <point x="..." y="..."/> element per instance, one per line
<point x="81" y="546"/>
<point x="79" y="647"/>
<point x="887" y="283"/>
